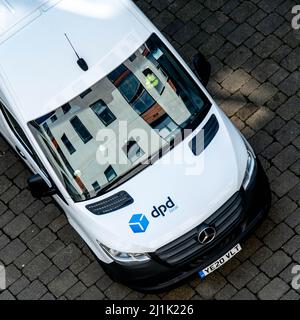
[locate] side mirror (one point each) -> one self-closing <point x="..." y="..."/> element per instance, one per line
<point x="39" y="187"/>
<point x="203" y="68"/>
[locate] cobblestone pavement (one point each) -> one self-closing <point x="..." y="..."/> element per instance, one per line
<point x="255" y="56"/>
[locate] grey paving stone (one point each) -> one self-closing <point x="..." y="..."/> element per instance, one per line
<point x="21" y="201"/>
<point x="254" y="40"/>
<point x="78" y="289"/>
<point x="290" y="108"/>
<point x="48" y="297"/>
<point x="295" y="168"/>
<point x="35" y="207"/>
<point x="49" y="275"/>
<point x="282" y="209"/>
<point x="265" y="70"/>
<point x="269" y="6"/>
<point x="261" y="255"/>
<point x="29" y="233"/>
<point x="267" y="46"/>
<point x="244" y="11"/>
<point x="210" y="286"/>
<point x="6" y="217"/>
<point x="62" y="283"/>
<point x="23" y="259"/>
<point x="36" y="267"/>
<point x="214" y="5"/>
<point x="189" y="11"/>
<point x="238" y="57"/>
<point x="33" y="292"/>
<point x="91" y="274"/>
<point x="241" y="34"/>
<point x="286" y="158"/>
<point x="4" y="240"/>
<point x="117" y="291"/>
<point x="244" y="294"/>
<point x="19" y="285"/>
<point x="284" y="183"/>
<point x="296" y="256"/>
<point x="260" y="141"/>
<point x="17" y="226"/>
<point x="6" y="296"/>
<point x="294" y="219"/>
<point x="263" y="94"/>
<point x="134" y="296"/>
<point x="186" y="33"/>
<point x="45" y="216"/>
<point x="279" y="76"/>
<point x="256" y="284"/>
<point x="243" y="274"/>
<point x="41" y="241"/>
<point x="291" y="84"/>
<point x="21" y="179"/>
<point x="260" y="118"/>
<point x="14" y="249"/>
<point x="294" y="194"/>
<point x="287" y="275"/>
<point x="104" y="283"/>
<point x="273" y="290"/>
<point x="276" y="263"/>
<point x="54" y="248"/>
<point x="4" y="184"/>
<point x="92" y="293"/>
<point x="278" y="236"/>
<point x="67" y="256"/>
<point x="226" y="292"/>
<point x="235" y="81"/>
<point x="292" y="61"/>
<point x="12" y="275"/>
<point x="291" y="295"/>
<point x="246" y="90"/>
<point x="257" y="17"/>
<point x="272" y="150"/>
<point x="80" y="264"/>
<point x="184" y="292"/>
<point x="270" y="23"/>
<point x="288" y="132"/>
<point x="58" y="223"/>
<point x="249" y="248"/>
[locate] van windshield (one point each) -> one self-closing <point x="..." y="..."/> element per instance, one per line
<point x="105" y="136"/>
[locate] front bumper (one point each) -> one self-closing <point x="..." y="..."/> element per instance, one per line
<point x="157" y="276"/>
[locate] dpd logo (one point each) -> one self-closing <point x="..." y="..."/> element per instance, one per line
<point x="163" y="209"/>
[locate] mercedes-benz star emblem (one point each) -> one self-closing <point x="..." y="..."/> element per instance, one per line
<point x="207" y="235"/>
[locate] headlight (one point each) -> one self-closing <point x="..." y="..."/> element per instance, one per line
<point x="251" y="166"/>
<point x="123" y="257"/>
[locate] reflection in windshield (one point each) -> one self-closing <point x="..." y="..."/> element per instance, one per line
<point x="150" y="91"/>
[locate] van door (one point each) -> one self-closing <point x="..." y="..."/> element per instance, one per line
<point x="17" y="138"/>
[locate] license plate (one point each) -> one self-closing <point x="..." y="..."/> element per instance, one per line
<point x="220" y="262"/>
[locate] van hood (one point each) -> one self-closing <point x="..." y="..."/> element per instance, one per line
<point x="171" y="199"/>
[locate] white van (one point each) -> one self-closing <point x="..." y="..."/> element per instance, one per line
<point x="118" y="129"/>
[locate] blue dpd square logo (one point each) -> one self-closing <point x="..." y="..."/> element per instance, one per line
<point x="139" y="223"/>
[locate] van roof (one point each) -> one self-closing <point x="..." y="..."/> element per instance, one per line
<point x="38" y="68"/>
<point x="15" y="13"/>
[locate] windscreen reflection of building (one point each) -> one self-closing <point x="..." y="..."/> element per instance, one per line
<point x="153" y="104"/>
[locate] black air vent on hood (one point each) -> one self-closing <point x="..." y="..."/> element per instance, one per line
<point x="209" y="131"/>
<point x="116" y="202"/>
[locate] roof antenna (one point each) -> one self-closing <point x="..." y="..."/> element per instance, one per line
<point x="81" y="62"/>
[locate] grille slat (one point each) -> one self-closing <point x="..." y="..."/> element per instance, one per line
<point x="224" y="221"/>
<point x="187" y="247"/>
